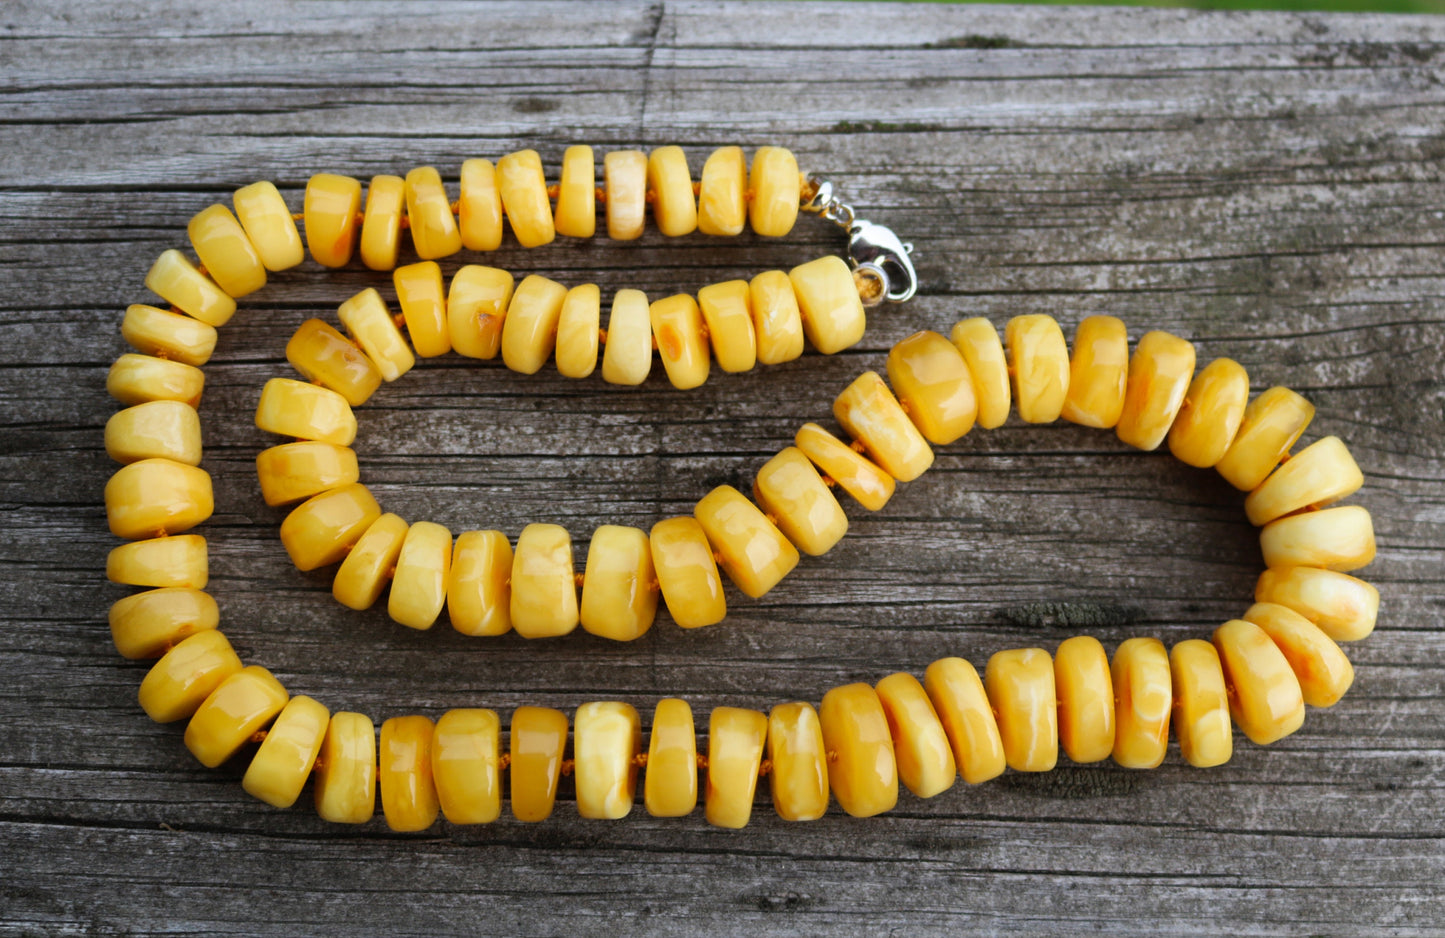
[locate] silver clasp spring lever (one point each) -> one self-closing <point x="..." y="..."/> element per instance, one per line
<point x="873" y="250"/>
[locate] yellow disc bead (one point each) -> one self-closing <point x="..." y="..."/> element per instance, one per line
<point x="529" y="331"/>
<point x="365" y="572"/>
<point x="154" y="430"/>
<point x="479" y="592"/>
<point x="735" y="740"/>
<point x="687" y="573"/>
<point x="305" y="411"/>
<point x="328" y="358"/>
<point x="423" y="305"/>
<point x="544" y="583"/>
<point x="293" y="471"/>
<point x="777" y="321"/>
<point x="872" y="416"/>
<point x="186" y="675"/>
<point x="920" y="746"/>
<point x="136" y="379"/>
<point x="476" y="306"/>
<point x="372" y="327"/>
<point x="1212" y="411"/>
<point x="1098" y="373"/>
<point x="283" y="762"/>
<point x="1086" y="699"/>
<point x="861" y="770"/>
<point x="752" y="551"/>
<point x="329" y="213"/>
<point x="239" y="706"/>
<point x="1201" y="700"/>
<point x="1318" y="475"/>
<point x="722" y="205"/>
<point x="146" y="625"/>
<point x="833" y="317"/>
<point x="323" y="528"/>
<point x="624" y="174"/>
<point x="963" y="708"/>
<point x="178" y="282"/>
<point x="466" y="759"/>
<point x="799" y="757"/>
<point x="869" y="485"/>
<point x="674" y="207"/>
<point x="539" y="738"/>
<point x="578" y="326"/>
<point x="1039" y="367"/>
<point x="978" y="342"/>
<point x="228" y="255"/>
<point x="619" y="600"/>
<point x="776" y="190"/>
<point x="1265" y="699"/>
<point x="404" y="773"/>
<point x="523" y="189"/>
<point x="1272" y="422"/>
<point x="670" y="785"/>
<point x="790" y="490"/>
<point x="729" y="324"/>
<point x="1159" y="376"/>
<point x="627" y="359"/>
<point x="576" y="215"/>
<point x="479" y="210"/>
<point x="608" y="737"/>
<point x="157" y="496"/>
<point x="269" y="225"/>
<point x="1342" y="606"/>
<point x="1323" y="671"/>
<point x="171" y="335"/>
<point x="1145" y="698"/>
<point x="433" y="227"/>
<point x="419" y="585"/>
<point x="1339" y="539"/>
<point x="381" y="221"/>
<point x="346" y="770"/>
<point x="677" y="323"/>
<point x="178" y="561"/>
<point x="933" y="382"/>
<point x="1020" y="686"/>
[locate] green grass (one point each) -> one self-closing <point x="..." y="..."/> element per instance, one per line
<point x="1331" y="6"/>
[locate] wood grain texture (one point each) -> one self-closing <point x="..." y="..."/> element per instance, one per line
<point x="1267" y="185"/>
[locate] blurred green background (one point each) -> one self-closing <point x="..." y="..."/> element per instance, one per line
<point x="1333" y="6"/>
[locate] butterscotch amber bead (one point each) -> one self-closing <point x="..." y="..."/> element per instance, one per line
<point x="628" y="356"/>
<point x="1342" y="606"/>
<point x="466" y="765"/>
<point x="752" y="551"/>
<point x="1098" y="373"/>
<point x="283" y="762"/>
<point x="539" y="737"/>
<point x="222" y="247"/>
<point x="687" y="573"/>
<point x="722" y="206"/>
<point x="1272" y="422"/>
<point x="978" y="342"/>
<point x="963" y="708"/>
<point x="381" y="221"/>
<point x="1039" y="370"/>
<point x="607" y="738"/>
<point x="1145" y="697"/>
<point x="323" y="528"/>
<point x="544" y="584"/>
<point x="624" y="174"/>
<point x="366" y="571"/>
<point x="479" y="591"/>
<point x="305" y="411"/>
<point x="618" y="598"/>
<point x="735" y="740"/>
<point x="157" y="496"/>
<point x="1201" y="702"/>
<point x="1323" y="671"/>
<point x="678" y="325"/>
<point x="1318" y="475"/>
<point x="777" y="321"/>
<point x="171" y="335"/>
<point x="328" y="358"/>
<point x="346" y="770"/>
<point x="576" y="215"/>
<point x="790" y="490"/>
<point x="799" y="778"/>
<point x="933" y="383"/>
<point x="577" y="331"/>
<point x="479" y="210"/>
<point x="423" y="305"/>
<point x="1159" y="375"/>
<point x="670" y="785"/>
<point x="729" y="324"/>
<point x="268" y="223"/>
<point x="529" y="331"/>
<point x="864" y="775"/>
<point x="869" y="485"/>
<point x="145" y="625"/>
<point x="329" y="213"/>
<point x="293" y="471"/>
<point x="404" y="773"/>
<point x="154" y="430"/>
<point x="1210" y="416"/>
<point x="242" y="704"/>
<point x="674" y="207"/>
<point x="136" y="379"/>
<point x="419" y="584"/>
<point x="476" y="307"/>
<point x="920" y="746"/>
<point x="1086" y="699"/>
<point x="1020" y="686"/>
<point x="828" y="301"/>
<point x="1265" y="699"/>
<point x="372" y="327"/>
<point x="776" y="191"/>
<point x="160" y="561"/>
<point x="1340" y="539"/>
<point x="178" y="282"/>
<point x="872" y="416"/>
<point x="523" y="188"/>
<point x="186" y="675"/>
<point x="433" y="227"/>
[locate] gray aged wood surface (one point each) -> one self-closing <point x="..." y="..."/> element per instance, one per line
<point x="1267" y="185"/>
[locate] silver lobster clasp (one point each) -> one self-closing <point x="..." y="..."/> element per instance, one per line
<point x="876" y="249"/>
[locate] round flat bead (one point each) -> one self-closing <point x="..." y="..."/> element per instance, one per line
<point x="624" y="174"/>
<point x="323" y="528"/>
<point x="674" y="207"/>
<point x="154" y="430"/>
<point x="466" y="760"/>
<point x="157" y="495"/>
<point x="790" y="490"/>
<point x="1323" y="671"/>
<point x="136" y="379"/>
<point x="479" y="592"/>
<point x="329" y="212"/>
<point x="753" y="552"/>
<point x="145" y="625"/>
<point x="1265" y="698"/>
<point x="677" y="323"/>
<point x="963" y="708"/>
<point x="735" y="740"/>
<point x="920" y="746"/>
<point x="423" y="305"/>
<point x="305" y="411"/>
<point x="864" y="776"/>
<point x="539" y="737"/>
<point x="828" y="301"/>
<point x="346" y="770"/>
<point x="777" y="321"/>
<point x="476" y="307"/>
<point x="186" y="675"/>
<point x="618" y="599"/>
<point x="869" y="485"/>
<point x="381" y="221"/>
<point x="1040" y="367"/>
<point x="479" y="213"/>
<point x="328" y="358"/>
<point x="524" y="197"/>
<point x="687" y="573"/>
<point x="670" y="785"/>
<point x="978" y="342"/>
<point x="578" y="326"/>
<point x="776" y="192"/>
<point x="168" y="335"/>
<point x="178" y="561"/>
<point x="933" y="382"/>
<point x="529" y="331"/>
<point x="544" y="583"/>
<point x="404" y="773"/>
<point x="872" y="416"/>
<point x="1086" y="699"/>
<point x="281" y="765"/>
<point x="433" y="227"/>
<point x="269" y="225"/>
<point x="1342" y="606"/>
<point x="1098" y="372"/>
<point x="722" y="205"/>
<point x="239" y="706"/>
<point x="1145" y="697"/>
<point x="1159" y="376"/>
<point x="366" y="571"/>
<point x="607" y="738"/>
<point x="294" y="471"/>
<point x="799" y="778"/>
<point x="1020" y="686"/>
<point x="419" y="585"/>
<point x="178" y="282"/>
<point x="1212" y="411"/>
<point x="1201" y="700"/>
<point x="228" y="255"/>
<point x="729" y="324"/>
<point x="627" y="359"/>
<point x="576" y="215"/>
<point x="1339" y="539"/>
<point x="1272" y="422"/>
<point x="1318" y="475"/>
<point x="372" y="327"/>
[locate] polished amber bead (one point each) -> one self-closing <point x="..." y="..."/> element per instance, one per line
<point x="1210" y="416"/>
<point x="168" y="335"/>
<point x="404" y="773"/>
<point x="1265" y="699"/>
<point x="978" y="342"/>
<point x="777" y="321"/>
<point x="381" y="221"/>
<point x="963" y="708"/>
<point x="239" y="706"/>
<point x="1323" y="671"/>
<point x="722" y="205"/>
<point x="1201" y="700"/>
<point x="624" y="174"/>
<point x="328" y="358"/>
<point x="305" y="411"/>
<point x="1318" y="475"/>
<point x="608" y="737"/>
<point x="466" y="760"/>
<point x="934" y="385"/>
<point x="1098" y="373"/>
<point x="920" y="746"/>
<point x="752" y="551"/>
<point x="269" y="225"/>
<point x="154" y="430"/>
<point x="619" y="600"/>
<point x="329" y="213"/>
<point x="476" y="307"/>
<point x="1086" y="699"/>
<point x="423" y="305"/>
<point x="1342" y="606"/>
<point x="1272" y="422"/>
<point x="160" y="561"/>
<point x="544" y="584"/>
<point x="178" y="282"/>
<point x="1145" y="697"/>
<point x="681" y="344"/>
<point x="479" y="592"/>
<point x="1039" y="367"/>
<point x="539" y="737"/>
<point x="284" y="760"/>
<point x="776" y="188"/>
<point x="293" y="471"/>
<point x="228" y="255"/>
<point x="628" y="356"/>
<point x="479" y="210"/>
<point x="146" y="625"/>
<point x="372" y="327"/>
<point x="524" y="198"/>
<point x="157" y="496"/>
<point x="433" y="227"/>
<point x="368" y="566"/>
<point x="735" y="740"/>
<point x="729" y="324"/>
<point x="872" y="416"/>
<point x="670" y="785"/>
<point x="828" y="301"/>
<point x="687" y="573"/>
<point x="419" y="585"/>
<point x="323" y="528"/>
<point x="576" y="215"/>
<point x="674" y="207"/>
<point x="864" y="775"/>
<point x="869" y="485"/>
<point x="529" y="331"/>
<point x="1159" y="376"/>
<point x="1020" y="686"/>
<point x="346" y="770"/>
<point x="186" y="675"/>
<point x="790" y="490"/>
<point x="799" y="778"/>
<point x="577" y="331"/>
<point x="136" y="379"/>
<point x="1340" y="539"/>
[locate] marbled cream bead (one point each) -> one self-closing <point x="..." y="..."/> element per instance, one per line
<point x="1318" y="475"/>
<point x="178" y="282"/>
<point x="145" y="625"/>
<point x="722" y="205"/>
<point x="833" y="317"/>
<point x="682" y="346"/>
<point x="869" y="485"/>
<point x="404" y="774"/>
<point x="627" y="359"/>
<point x="1210" y="416"/>
<point x="1086" y="699"/>
<point x="381" y="221"/>
<point x="777" y="321"/>
<point x="963" y="707"/>
<point x="1201" y="702"/>
<point x="776" y="188"/>
<point x="161" y="561"/>
<point x="157" y="496"/>
<point x="433" y="227"/>
<point x="799" y="779"/>
<point x="1098" y="373"/>
<point x="479" y="591"/>
<point x="1339" y="539"/>
<point x="176" y="685"/>
<point x="1020" y="686"/>
<point x="372" y="327"/>
<point x="619" y="600"/>
<point x="466" y="760"/>
<point x="170" y="335"/>
<point x="920" y="746"/>
<point x="366" y="570"/>
<point x="933" y="383"/>
<point x="1145" y="697"/>
<point x="1323" y="671"/>
<point x="1342" y="606"/>
<point x="674" y="207"/>
<point x="328" y="358"/>
<point x="670" y="785"/>
<point x="423" y="304"/>
<point x="539" y="737"/>
<point x="476" y="306"/>
<point x="419" y="584"/>
<point x="735" y="739"/>
<point x="687" y="573"/>
<point x="1265" y="699"/>
<point x="607" y="738"/>
<point x="329" y="213"/>
<point x="978" y="342"/>
<point x="136" y="379"/>
<point x="1159" y="375"/>
<point x="222" y="247"/>
<point x="529" y="330"/>
<point x="1039" y="367"/>
<point x="294" y="471"/>
<point x="576" y="215"/>
<point x="751" y="550"/>
<point x="729" y="324"/>
<point x="1272" y="422"/>
<point x="283" y="762"/>
<point x="479" y="210"/>
<point x="323" y="528"/>
<point x="268" y="224"/>
<point x="305" y="411"/>
<point x="624" y="175"/>
<point x="544" y="584"/>
<point x="239" y="706"/>
<point x="154" y="430"/>
<point x="790" y="490"/>
<point x="864" y="776"/>
<point x="872" y="416"/>
<point x="578" y="326"/>
<point x="345" y="770"/>
<point x="524" y="198"/>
